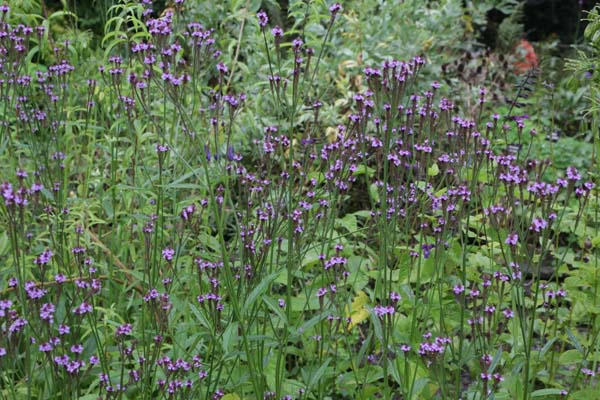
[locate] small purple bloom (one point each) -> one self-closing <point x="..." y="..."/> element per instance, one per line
<point x="458" y="289"/>
<point x="335" y="8"/>
<point x="168" y="254"/>
<point x="123" y="330"/>
<point x="573" y="174"/>
<point x="512" y="239"/>
<point x="77" y="349"/>
<point x="83" y="308"/>
<point x="538" y="224"/>
<point x="277" y="31"/>
<point x="222" y="68"/>
<point x="263" y="19"/>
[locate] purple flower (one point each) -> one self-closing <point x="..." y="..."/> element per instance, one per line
<point x="588" y="372"/>
<point x="538" y="224"/>
<point x="18" y="325"/>
<point x="395" y="296"/>
<point x="161" y="148"/>
<point x="297" y="44"/>
<point x="512" y="239"/>
<point x="382" y="311"/>
<point x="168" y="254"/>
<point x="222" y="68"/>
<point x="573" y="174"/>
<point x="335" y="8"/>
<point x="45" y="347"/>
<point x="263" y="19"/>
<point x="123" y="330"/>
<point x="83" y="308"/>
<point x="458" y="289"/>
<point x="277" y="31"/>
<point x="77" y="349"/>
<point x="47" y="312"/>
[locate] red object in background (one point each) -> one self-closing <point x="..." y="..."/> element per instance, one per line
<point x="526" y="57"/>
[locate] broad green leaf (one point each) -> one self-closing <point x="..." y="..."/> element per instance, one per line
<point x="359" y="312"/>
<point x="434" y="170"/>
<point x="570" y="357"/>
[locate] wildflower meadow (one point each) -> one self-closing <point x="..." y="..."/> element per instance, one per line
<point x="296" y="200"/>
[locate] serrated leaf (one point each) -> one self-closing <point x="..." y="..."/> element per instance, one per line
<point x="358" y="317"/>
<point x="434" y="170"/>
<point x="359" y="312"/>
<point x="360" y="300"/>
<point x="348" y="223"/>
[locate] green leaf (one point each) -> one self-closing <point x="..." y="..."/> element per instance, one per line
<point x="547" y="346"/>
<point x="496" y="360"/>
<point x="575" y="341"/>
<point x="570" y="357"/>
<point x="418" y="386"/>
<point x="546" y="392"/>
<point x="374" y="192"/>
<point x="230" y="337"/>
<point x="275" y="308"/>
<point x="377" y="326"/>
<point x="434" y="170"/>
<point x="348" y="223"/>
<point x="316" y="377"/>
<point x="259" y="290"/>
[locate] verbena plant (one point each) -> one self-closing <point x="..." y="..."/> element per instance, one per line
<point x="157" y="246"/>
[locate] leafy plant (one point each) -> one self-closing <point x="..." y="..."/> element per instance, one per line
<point x="280" y="208"/>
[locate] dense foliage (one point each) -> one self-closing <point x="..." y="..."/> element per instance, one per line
<point x="240" y="201"/>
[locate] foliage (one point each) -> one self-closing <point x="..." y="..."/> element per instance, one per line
<point x="211" y="203"/>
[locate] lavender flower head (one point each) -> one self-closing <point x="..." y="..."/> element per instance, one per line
<point x="335" y="9"/>
<point x="263" y="19"/>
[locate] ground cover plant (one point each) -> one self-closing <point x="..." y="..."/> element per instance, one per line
<point x="259" y="210"/>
